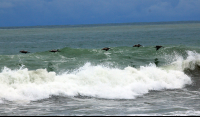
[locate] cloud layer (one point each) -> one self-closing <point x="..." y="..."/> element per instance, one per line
<point x="70" y="12"/>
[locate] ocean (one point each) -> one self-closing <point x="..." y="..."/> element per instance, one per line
<point x="84" y="80"/>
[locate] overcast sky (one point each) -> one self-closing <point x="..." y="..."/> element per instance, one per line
<point x="72" y="12"/>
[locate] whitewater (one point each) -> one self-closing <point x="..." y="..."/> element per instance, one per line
<point x="95" y="81"/>
<point x="82" y="79"/>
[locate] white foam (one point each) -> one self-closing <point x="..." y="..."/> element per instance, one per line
<point x="23" y="84"/>
<point x="179" y="63"/>
<point x="96" y="81"/>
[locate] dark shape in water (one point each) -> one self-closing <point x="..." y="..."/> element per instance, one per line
<point x="195" y="75"/>
<point x="54" y="51"/>
<point x="106" y="48"/>
<point x="158" y="47"/>
<point x="138" y="45"/>
<point x="156" y="61"/>
<point x="50" y="67"/>
<point x="23" y="51"/>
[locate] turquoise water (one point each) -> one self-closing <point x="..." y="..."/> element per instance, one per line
<point x="83" y="79"/>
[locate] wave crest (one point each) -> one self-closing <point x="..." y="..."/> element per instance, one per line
<point x="94" y="81"/>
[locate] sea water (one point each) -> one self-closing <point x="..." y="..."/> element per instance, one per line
<point x="82" y="79"/>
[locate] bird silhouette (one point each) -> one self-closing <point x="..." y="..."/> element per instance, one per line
<point x="138" y="45"/>
<point x="54" y="51"/>
<point x="106" y="48"/>
<point x="158" y="47"/>
<point x="23" y="51"/>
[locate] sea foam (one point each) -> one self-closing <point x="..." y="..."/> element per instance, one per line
<point x="94" y="81"/>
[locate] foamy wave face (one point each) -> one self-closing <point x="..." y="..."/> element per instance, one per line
<point x="193" y="59"/>
<point x="24" y="85"/>
<point x="103" y="82"/>
<point x="95" y="81"/>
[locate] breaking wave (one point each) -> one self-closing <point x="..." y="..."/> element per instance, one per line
<point x="95" y="81"/>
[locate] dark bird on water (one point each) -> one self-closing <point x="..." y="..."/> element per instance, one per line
<point x="158" y="47"/>
<point x="106" y="48"/>
<point x="138" y="45"/>
<point x="23" y="51"/>
<point x="54" y="51"/>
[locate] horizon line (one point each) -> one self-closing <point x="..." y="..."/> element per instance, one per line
<point x="100" y="24"/>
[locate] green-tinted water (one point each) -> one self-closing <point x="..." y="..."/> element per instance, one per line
<point x="83" y="79"/>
